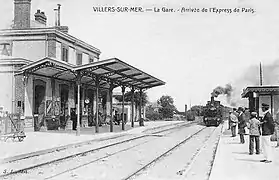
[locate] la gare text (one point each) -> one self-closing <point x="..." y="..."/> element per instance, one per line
<point x="137" y="9"/>
<point x="118" y="9"/>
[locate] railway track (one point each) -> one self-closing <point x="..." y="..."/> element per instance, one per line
<point x="17" y="167"/>
<point x="134" y="174"/>
<point x="197" y="166"/>
<point x="82" y="168"/>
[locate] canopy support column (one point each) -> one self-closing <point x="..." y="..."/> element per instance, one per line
<point x="97" y="105"/>
<point x="140" y="107"/>
<point x="133" y="99"/>
<point x="123" y="122"/>
<point x="271" y="103"/>
<point x="111" y="110"/>
<point x="78" y="103"/>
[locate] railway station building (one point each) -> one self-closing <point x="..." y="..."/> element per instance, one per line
<point x="262" y="94"/>
<point x="49" y="76"/>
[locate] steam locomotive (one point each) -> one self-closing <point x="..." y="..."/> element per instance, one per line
<point x="213" y="113"/>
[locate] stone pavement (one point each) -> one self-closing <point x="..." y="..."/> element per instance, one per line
<point x="233" y="162"/>
<point x="41" y="141"/>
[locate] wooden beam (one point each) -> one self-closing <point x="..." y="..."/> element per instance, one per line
<point x="97" y="105"/>
<point x="78" y="104"/>
<point x="111" y="107"/>
<point x="140" y="106"/>
<point x="123" y="122"/>
<point x="133" y="99"/>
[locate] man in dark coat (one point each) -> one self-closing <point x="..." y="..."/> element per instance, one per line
<point x="241" y="125"/>
<point x="267" y="131"/>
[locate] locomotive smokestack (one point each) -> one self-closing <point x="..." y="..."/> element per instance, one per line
<point x="212" y="99"/>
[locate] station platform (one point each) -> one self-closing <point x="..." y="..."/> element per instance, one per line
<point x="39" y="142"/>
<point x="233" y="162"/>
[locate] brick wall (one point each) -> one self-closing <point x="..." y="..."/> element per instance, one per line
<point x="22" y="14"/>
<point x="19" y="95"/>
<point x="52" y="48"/>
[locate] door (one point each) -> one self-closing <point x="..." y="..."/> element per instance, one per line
<point x="39" y="107"/>
<point x="64" y="94"/>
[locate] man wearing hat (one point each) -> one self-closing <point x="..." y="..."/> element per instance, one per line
<point x="267" y="131"/>
<point x="233" y="122"/>
<point x="241" y="125"/>
<point x="277" y="128"/>
<point x="254" y="133"/>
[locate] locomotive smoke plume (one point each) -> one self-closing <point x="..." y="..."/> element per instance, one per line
<point x="250" y="77"/>
<point x="227" y="90"/>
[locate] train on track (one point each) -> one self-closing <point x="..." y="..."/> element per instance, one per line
<point x="214" y="113"/>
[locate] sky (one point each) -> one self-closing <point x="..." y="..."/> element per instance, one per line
<point x="192" y="52"/>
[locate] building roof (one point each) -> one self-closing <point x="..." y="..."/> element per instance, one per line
<point x="107" y="71"/>
<point x="122" y="73"/>
<point x="48" y="30"/>
<point x="262" y="90"/>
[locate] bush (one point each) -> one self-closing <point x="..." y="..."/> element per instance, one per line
<point x="153" y="115"/>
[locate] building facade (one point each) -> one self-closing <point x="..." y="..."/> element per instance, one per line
<point x="48" y="77"/>
<point x="263" y="94"/>
<point x="28" y="41"/>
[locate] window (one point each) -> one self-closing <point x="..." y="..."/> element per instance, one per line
<point x="65" y="53"/>
<point x="79" y="58"/>
<point x="91" y="59"/>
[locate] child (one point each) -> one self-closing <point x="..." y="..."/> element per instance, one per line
<point x="254" y="134"/>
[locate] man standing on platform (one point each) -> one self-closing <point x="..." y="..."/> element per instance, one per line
<point x="241" y="125"/>
<point x="267" y="131"/>
<point x="277" y="128"/>
<point x="233" y="122"/>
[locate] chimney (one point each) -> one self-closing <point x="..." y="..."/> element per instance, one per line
<point x="58" y="9"/>
<point x="64" y="29"/>
<point x="40" y="17"/>
<point x="22" y="10"/>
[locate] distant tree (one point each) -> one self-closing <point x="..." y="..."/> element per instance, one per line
<point x="151" y="113"/>
<point x="197" y="110"/>
<point x="167" y="108"/>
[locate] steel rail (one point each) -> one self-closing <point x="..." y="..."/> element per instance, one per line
<point x="22" y="170"/>
<point x="134" y="174"/>
<point x="95" y="160"/>
<point x="126" y="149"/>
<point x="186" y="171"/>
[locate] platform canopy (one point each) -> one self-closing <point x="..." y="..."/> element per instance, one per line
<point x="119" y="72"/>
<point x="261" y="90"/>
<point x="106" y="71"/>
<point x="50" y="68"/>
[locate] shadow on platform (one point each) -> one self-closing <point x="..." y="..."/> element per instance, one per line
<point x="249" y="160"/>
<point x="240" y="153"/>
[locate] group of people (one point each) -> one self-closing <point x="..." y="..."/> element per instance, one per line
<point x="250" y="124"/>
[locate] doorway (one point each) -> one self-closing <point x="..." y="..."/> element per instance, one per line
<point x="64" y="111"/>
<point x="39" y="104"/>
